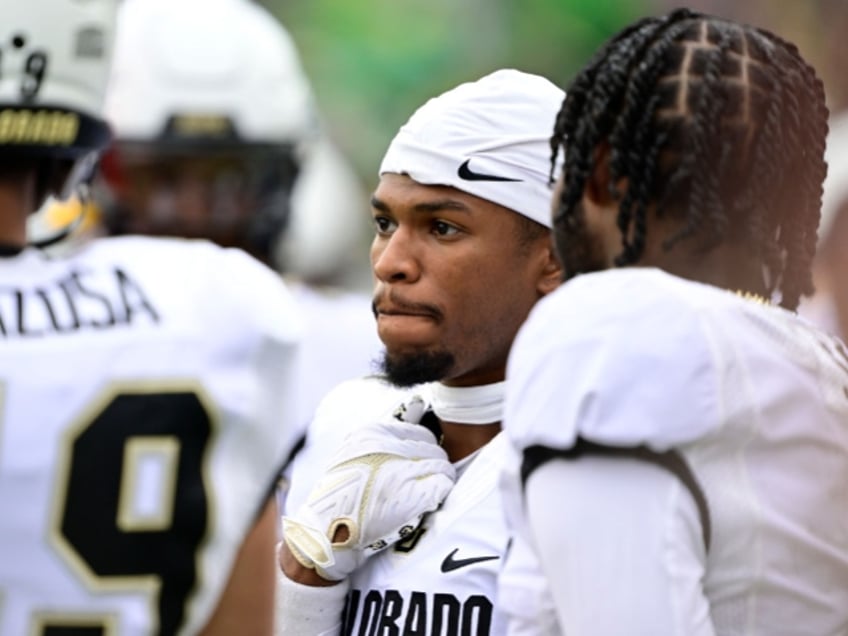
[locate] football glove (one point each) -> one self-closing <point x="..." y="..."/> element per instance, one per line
<point x="379" y="485"/>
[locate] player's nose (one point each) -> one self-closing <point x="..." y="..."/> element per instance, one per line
<point x="396" y="258"/>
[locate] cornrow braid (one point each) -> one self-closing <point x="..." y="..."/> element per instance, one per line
<point x="718" y="124"/>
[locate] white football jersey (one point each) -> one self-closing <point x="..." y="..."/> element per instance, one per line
<point x="753" y="399"/>
<point x="339" y="342"/>
<point x="144" y="398"/>
<point x="820" y="309"/>
<point x="442" y="579"/>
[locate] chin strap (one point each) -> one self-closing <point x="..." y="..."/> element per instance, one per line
<point x="468" y="404"/>
<point x="9" y="249"/>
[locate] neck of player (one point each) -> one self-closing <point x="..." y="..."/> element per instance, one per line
<point x="730" y="265"/>
<point x="17" y="201"/>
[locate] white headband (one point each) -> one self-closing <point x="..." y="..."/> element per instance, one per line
<point x="489" y="138"/>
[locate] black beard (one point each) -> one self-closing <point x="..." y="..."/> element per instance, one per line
<point x="407" y="370"/>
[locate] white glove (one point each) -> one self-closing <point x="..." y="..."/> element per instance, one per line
<point x="380" y="483"/>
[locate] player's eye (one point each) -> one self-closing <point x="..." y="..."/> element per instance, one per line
<point x="384" y="225"/>
<point x="441" y="228"/>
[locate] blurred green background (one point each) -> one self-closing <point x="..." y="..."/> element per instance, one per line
<point x="372" y="62"/>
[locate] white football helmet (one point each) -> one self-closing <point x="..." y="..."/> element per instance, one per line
<point x="204" y="58"/>
<point x="214" y="119"/>
<point x="54" y="64"/>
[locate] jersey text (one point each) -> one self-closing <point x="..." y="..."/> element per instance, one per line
<point x="390" y="613"/>
<point x="78" y="301"/>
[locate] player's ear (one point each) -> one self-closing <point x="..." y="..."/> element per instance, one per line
<point x="550" y="275"/>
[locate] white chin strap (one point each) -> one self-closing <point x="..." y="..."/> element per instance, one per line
<point x="468" y="404"/>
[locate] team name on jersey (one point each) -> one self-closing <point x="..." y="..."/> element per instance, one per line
<point x="391" y="613"/>
<point x="38" y="127"/>
<point x="80" y="300"/>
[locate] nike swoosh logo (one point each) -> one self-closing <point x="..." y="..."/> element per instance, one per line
<point x="467" y="174"/>
<point x="450" y="564"/>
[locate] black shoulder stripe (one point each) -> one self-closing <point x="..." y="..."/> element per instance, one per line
<point x="671" y="460"/>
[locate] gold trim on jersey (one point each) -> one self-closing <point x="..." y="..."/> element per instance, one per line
<point x="165" y="451"/>
<point x="749" y="295"/>
<point x="42" y="620"/>
<point x="149" y="585"/>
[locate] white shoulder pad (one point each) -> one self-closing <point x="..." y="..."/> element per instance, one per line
<point x="621" y="357"/>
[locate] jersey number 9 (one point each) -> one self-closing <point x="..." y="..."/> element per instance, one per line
<point x="135" y="506"/>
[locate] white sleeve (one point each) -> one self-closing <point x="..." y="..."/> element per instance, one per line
<point x="524" y="604"/>
<point x="308" y="610"/>
<point x="620" y="542"/>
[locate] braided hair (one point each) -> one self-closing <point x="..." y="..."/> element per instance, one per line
<point x="720" y="124"/>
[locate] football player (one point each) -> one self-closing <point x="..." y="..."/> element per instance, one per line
<point x="461" y="253"/>
<point x="146" y="402"/>
<point x="221" y="140"/>
<point x="683" y="431"/>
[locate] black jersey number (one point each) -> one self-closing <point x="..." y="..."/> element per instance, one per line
<point x="116" y="533"/>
